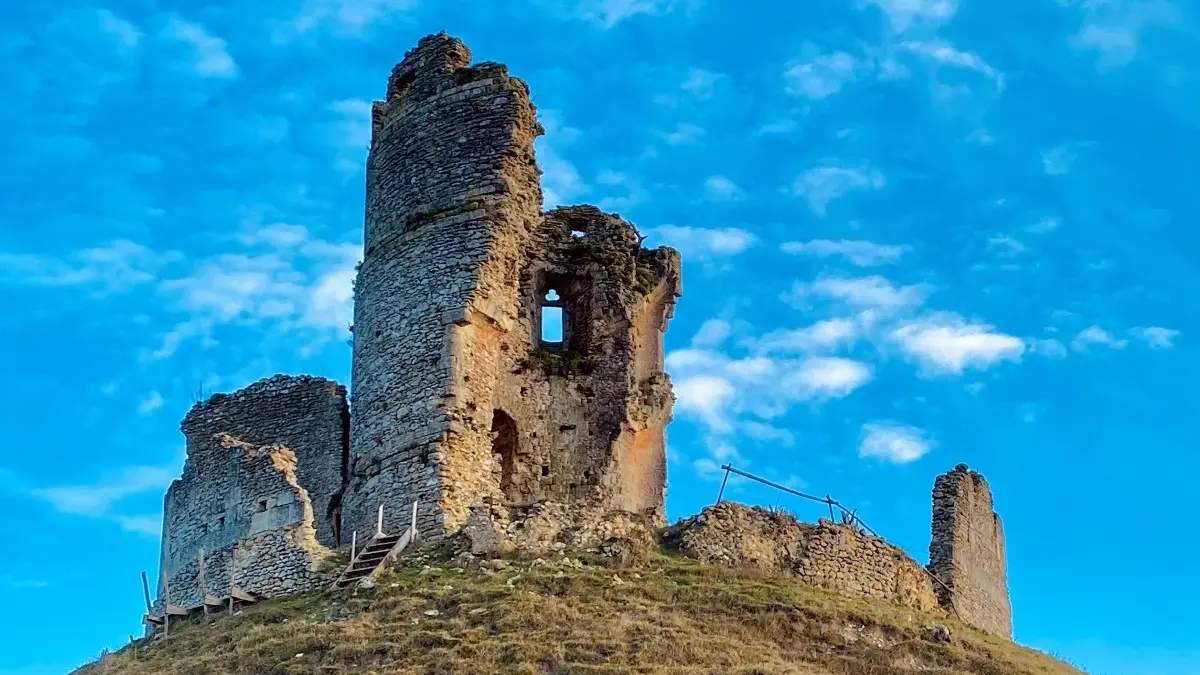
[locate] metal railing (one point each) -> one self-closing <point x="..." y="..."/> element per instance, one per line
<point x="848" y="516"/>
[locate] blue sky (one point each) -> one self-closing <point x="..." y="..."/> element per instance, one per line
<point x="915" y="233"/>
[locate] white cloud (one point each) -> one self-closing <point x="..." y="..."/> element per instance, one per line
<point x="150" y="526"/>
<point x="1049" y="347"/>
<point x="712" y="333"/>
<point x="352" y="130"/>
<point x="684" y="134"/>
<point x="706" y="396"/>
<point x="115" y="267"/>
<point x="97" y="499"/>
<point x="822" y="335"/>
<point x="705" y="243"/>
<point x="874" y="292"/>
<point x="1156" y="336"/>
<point x="701" y="83"/>
<point x="609" y="13"/>
<point x="347" y="17"/>
<point x="944" y="343"/>
<point x="209" y="56"/>
<point x="1047" y="224"/>
<point x="822" y="184"/>
<point x="860" y="253"/>
<point x="561" y="183"/>
<point x="892" y="442"/>
<point x="720" y="389"/>
<point x="828" y="377"/>
<point x="1007" y="245"/>
<point x="947" y="54"/>
<point x="822" y="76"/>
<point x="125" y="33"/>
<point x="1114" y="29"/>
<point x="1057" y="161"/>
<point x="721" y="189"/>
<point x="151" y="403"/>
<point x="905" y="14"/>
<point x="1095" y="335"/>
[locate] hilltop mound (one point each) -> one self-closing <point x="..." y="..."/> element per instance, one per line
<point x="567" y="613"/>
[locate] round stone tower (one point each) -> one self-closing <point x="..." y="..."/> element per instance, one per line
<point x="452" y="198"/>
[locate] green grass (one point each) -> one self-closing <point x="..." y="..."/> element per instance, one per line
<point x="662" y="615"/>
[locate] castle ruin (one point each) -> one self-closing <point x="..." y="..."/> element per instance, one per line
<point x="966" y="553"/>
<point x="503" y="357"/>
<point x="506" y="361"/>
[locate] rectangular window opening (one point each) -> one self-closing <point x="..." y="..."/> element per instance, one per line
<point x="262" y="506"/>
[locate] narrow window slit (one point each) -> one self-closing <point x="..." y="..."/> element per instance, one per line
<point x="552" y="319"/>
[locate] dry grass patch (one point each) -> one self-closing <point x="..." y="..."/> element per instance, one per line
<point x="664" y="616"/>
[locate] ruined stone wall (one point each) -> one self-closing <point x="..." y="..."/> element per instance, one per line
<point x="827" y="555"/>
<point x="452" y="193"/>
<point x="307" y="415"/>
<point x="243" y="506"/>
<point x="967" y="551"/>
<point x="445" y="316"/>
<point x="589" y="411"/>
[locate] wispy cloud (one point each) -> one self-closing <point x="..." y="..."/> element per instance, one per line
<point x="1095" y="336"/>
<point x="823" y="184"/>
<point x="1058" y="160"/>
<point x="860" y="253"/>
<point x="903" y="15"/>
<point x="822" y="75"/>
<point x="100" y="499"/>
<point x="946" y="54"/>
<point x="207" y="53"/>
<point x="722" y="189"/>
<point x="821" y="336"/>
<point x="609" y="13"/>
<point x="720" y="389"/>
<point x="893" y="442"/>
<point x="1156" y="336"/>
<point x="946" y="344"/>
<point x="111" y="268"/>
<point x="1113" y="29"/>
<point x="151" y="403"/>
<point x="873" y="292"/>
<point x="704" y="243"/>
<point x="345" y="17"/>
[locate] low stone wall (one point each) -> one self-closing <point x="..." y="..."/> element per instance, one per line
<point x="826" y="555"/>
<point x="243" y="506"/>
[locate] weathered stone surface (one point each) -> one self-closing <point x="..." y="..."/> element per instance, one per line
<point x="481" y="533"/>
<point x="308" y="415"/>
<point x="967" y="551"/>
<point x="837" y="557"/>
<point x="458" y="403"/>
<point x="243" y="506"/>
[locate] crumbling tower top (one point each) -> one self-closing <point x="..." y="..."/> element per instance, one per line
<point x="434" y="59"/>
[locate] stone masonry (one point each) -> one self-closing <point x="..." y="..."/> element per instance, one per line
<point x="967" y="551"/>
<point x="242" y="505"/>
<point x="827" y="555"/>
<point x="507" y="376"/>
<point x="458" y="402"/>
<point x="280" y="442"/>
<point x="461" y="401"/>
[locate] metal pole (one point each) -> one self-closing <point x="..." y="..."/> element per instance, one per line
<point x="353" y="543"/>
<point x="724" y="480"/>
<point x="829" y="501"/>
<point x="379" y="523"/>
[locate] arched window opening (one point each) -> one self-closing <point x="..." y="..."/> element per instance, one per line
<point x="552" y="319"/>
<point x="504" y="448"/>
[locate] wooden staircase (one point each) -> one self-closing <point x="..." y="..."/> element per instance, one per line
<point x="368" y="562"/>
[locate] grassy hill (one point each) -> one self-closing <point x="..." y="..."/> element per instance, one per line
<point x="566" y="613"/>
